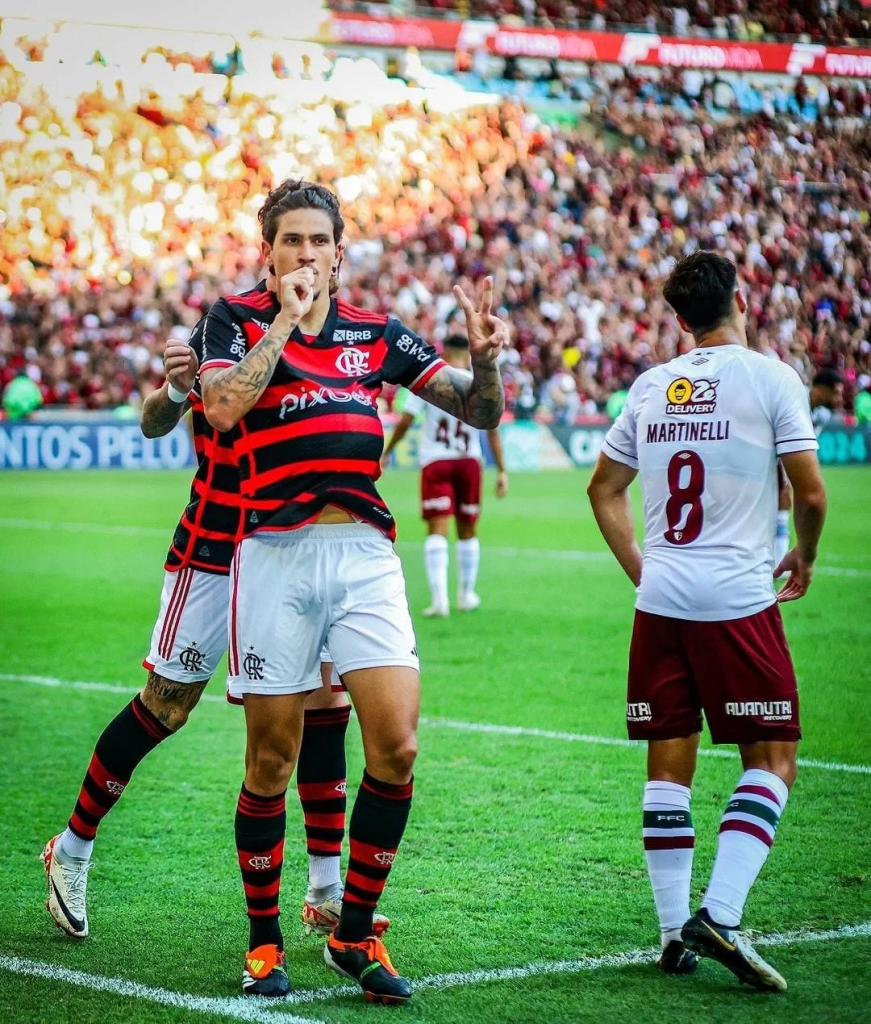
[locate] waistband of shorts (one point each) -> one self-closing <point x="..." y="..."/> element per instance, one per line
<point x="321" y="533"/>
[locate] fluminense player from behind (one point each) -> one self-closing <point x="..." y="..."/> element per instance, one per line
<point x="450" y="458"/>
<point x="189" y="640"/>
<point x="296" y="386"/>
<point x="705" y="432"/>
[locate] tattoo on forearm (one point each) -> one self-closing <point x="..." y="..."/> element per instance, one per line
<point x="241" y="385"/>
<point x="476" y="398"/>
<point x="160" y="414"/>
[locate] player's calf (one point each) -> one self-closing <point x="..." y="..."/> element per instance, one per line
<point x="150" y="718"/>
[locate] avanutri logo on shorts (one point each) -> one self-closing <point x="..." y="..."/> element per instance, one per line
<point x="767" y="710"/>
<point x="638" y="712"/>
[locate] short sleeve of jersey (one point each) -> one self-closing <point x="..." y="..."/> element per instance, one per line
<point x="621" y="441"/>
<point x="196" y="343"/>
<point x="790" y="413"/>
<point x="414" y="405"/>
<point x="410" y="360"/>
<point x="223" y="340"/>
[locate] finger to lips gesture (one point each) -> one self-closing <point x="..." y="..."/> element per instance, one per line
<point x="487" y="333"/>
<point x="296" y="292"/>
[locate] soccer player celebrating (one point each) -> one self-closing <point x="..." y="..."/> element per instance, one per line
<point x="189" y="640"/>
<point x="294" y="375"/>
<point x="705" y="431"/>
<point x="450" y="485"/>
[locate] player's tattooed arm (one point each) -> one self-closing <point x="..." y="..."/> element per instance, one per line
<point x="232" y="391"/>
<point x="476" y="398"/>
<point x="160" y="414"/>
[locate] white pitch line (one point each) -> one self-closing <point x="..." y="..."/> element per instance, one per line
<point x="586" y="963"/>
<point x="449" y="723"/>
<point x="616" y="741"/>
<point x="551" y="554"/>
<point x="239" y="1007"/>
<point x="248" y="1010"/>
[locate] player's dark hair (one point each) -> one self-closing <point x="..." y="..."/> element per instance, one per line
<point x="828" y="378"/>
<point x="299" y="194"/>
<point x="457" y="341"/>
<point x="701" y="289"/>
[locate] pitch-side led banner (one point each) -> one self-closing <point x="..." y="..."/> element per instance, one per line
<point x="642" y="48"/>
<point x="86" y="444"/>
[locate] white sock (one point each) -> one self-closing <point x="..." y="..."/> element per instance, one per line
<point x="781" y="537"/>
<point x="74" y="846"/>
<point x="468" y="560"/>
<point x="435" y="557"/>
<point x="669" y="839"/>
<point x="324" y="877"/>
<point x="746" y="834"/>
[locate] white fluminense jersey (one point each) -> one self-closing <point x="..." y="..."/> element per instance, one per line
<point x="444" y="436"/>
<point x="705" y="431"/>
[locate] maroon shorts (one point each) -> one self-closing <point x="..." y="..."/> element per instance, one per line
<point x="738" y="672"/>
<point x="451" y="487"/>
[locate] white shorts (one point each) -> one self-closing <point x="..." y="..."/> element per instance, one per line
<point x="190" y="635"/>
<point x="295" y="590"/>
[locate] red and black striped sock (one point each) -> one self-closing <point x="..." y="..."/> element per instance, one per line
<point x="261" y="822"/>
<point x="377" y="823"/>
<point x="125" y="741"/>
<point x="322" y="787"/>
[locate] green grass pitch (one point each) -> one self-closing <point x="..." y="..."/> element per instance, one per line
<point x="522" y="849"/>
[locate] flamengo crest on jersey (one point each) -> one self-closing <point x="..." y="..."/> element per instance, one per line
<point x="315" y="437"/>
<point x="443" y="436"/>
<point x="206" y="533"/>
<point x="705" y="431"/>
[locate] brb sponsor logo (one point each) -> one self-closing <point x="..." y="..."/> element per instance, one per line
<point x="353" y="361"/>
<point x="349" y="337"/>
<point x="687" y="397"/>
<point x="305" y="397"/>
<point x="640" y="711"/>
<point x="767" y="710"/>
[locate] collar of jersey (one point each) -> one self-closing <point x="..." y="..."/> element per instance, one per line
<point x="326" y="336"/>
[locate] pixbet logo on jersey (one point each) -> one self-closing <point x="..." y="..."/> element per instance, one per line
<point x="687" y="397"/>
<point x="305" y="397"/>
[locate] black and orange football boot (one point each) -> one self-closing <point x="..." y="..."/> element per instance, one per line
<point x="368" y="963"/>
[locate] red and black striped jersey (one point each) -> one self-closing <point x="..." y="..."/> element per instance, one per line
<point x="315" y="438"/>
<point x="207" y="531"/>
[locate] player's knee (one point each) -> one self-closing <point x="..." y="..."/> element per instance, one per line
<point x="396" y="760"/>
<point x="270" y="766"/>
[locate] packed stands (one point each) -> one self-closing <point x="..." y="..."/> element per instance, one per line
<point x="127" y="213"/>
<point x="832" y="21"/>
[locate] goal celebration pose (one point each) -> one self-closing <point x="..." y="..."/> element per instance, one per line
<point x="705" y="432"/>
<point x="296" y="385"/>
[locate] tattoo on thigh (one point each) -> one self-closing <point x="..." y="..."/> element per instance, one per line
<point x="165" y="691"/>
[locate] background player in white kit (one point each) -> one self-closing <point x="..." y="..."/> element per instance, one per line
<point x="705" y="432"/>
<point x="450" y="459"/>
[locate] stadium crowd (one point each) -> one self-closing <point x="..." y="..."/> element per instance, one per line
<point x="832" y="21"/>
<point x="125" y="220"/>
